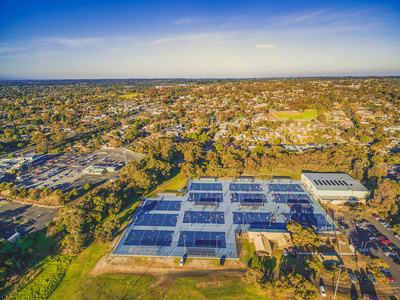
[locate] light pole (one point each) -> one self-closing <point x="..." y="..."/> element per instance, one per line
<point x="216" y="242"/>
<point x="184" y="241"/>
<point x="337" y="283"/>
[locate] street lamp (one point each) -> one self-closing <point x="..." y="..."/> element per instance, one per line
<point x="184" y="241"/>
<point x="337" y="283"/>
<point x="216" y="242"/>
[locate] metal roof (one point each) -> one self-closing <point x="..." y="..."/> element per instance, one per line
<point x="334" y="181"/>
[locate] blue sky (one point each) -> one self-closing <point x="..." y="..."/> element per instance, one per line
<point x="197" y="39"/>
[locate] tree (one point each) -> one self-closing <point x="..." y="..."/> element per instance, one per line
<point x="315" y="265"/>
<point x="302" y="236"/>
<point x="296" y="287"/>
<point x="374" y="266"/>
<point x="195" y="136"/>
<point x="203" y="137"/>
<point x="276" y="141"/>
<point x="106" y="232"/>
<point x="384" y="198"/>
<point x="377" y="171"/>
<point x="87" y="186"/>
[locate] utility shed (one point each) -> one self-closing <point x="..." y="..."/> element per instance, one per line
<point x="95" y="170"/>
<point x="328" y="259"/>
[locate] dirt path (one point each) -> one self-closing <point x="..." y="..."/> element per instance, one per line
<point x="166" y="267"/>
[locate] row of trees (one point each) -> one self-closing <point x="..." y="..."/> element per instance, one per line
<point x="44" y="196"/>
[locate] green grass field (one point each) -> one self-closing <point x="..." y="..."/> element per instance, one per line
<point x="130" y="95"/>
<point x="308" y="114"/>
<point x="79" y="284"/>
<point x="171" y="186"/>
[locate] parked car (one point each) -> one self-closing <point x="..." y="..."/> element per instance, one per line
<point x="285" y="252"/>
<point x="322" y="289"/>
<point x="372" y="278"/>
<point x="396" y="260"/>
<point x="390" y="254"/>
<point x="387" y="274"/>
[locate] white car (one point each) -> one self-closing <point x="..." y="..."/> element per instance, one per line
<point x="285" y="252"/>
<point x="390" y="254"/>
<point x="182" y="262"/>
<point x="322" y="289"/>
<point x="372" y="278"/>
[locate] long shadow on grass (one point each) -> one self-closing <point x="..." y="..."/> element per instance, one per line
<point x="137" y="281"/>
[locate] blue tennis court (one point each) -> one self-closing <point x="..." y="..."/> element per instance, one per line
<point x="204" y="222"/>
<point x="248" y="199"/>
<point x="202" y="239"/>
<point x="149" y="238"/>
<point x="156" y="219"/>
<point x="162" y="205"/>
<point x="206" y="186"/>
<point x="205" y="198"/>
<point x="204" y="217"/>
<point x="283" y="198"/>
<point x="257" y="220"/>
<point x="251" y="217"/>
<point x="245" y="187"/>
<point x="280" y="187"/>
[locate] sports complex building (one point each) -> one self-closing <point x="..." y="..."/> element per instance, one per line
<point x="206" y="220"/>
<point x="335" y="188"/>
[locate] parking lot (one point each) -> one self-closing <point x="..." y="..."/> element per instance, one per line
<point x="66" y="171"/>
<point x="372" y="239"/>
<point x="23" y="218"/>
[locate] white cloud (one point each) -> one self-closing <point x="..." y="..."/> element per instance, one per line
<point x="9" y="49"/>
<point x="310" y="16"/>
<point x="74" y="42"/>
<point x="265" y="46"/>
<point x="180" y="38"/>
<point x="184" y="21"/>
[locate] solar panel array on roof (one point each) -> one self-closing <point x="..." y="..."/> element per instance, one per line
<point x="331" y="182"/>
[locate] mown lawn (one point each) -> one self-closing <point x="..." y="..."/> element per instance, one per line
<point x="212" y="288"/>
<point x="129" y="95"/>
<point x="171" y="186"/>
<point x="308" y="114"/>
<point x="79" y="284"/>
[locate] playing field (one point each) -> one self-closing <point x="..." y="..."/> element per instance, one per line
<point x="308" y="114"/>
<point x="130" y="95"/>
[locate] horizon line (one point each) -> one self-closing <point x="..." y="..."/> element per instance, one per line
<point x="198" y="78"/>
